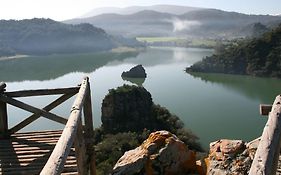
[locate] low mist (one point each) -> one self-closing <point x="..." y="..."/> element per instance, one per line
<point x="180" y="25"/>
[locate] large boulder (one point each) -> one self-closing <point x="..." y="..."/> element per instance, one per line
<point x="127" y="108"/>
<point x="162" y="153"/>
<point x="135" y="72"/>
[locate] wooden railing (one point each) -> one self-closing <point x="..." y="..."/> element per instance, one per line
<point x="267" y="155"/>
<point x="74" y="132"/>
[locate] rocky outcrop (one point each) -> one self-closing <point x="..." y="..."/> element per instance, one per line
<point x="230" y="157"/>
<point x="128" y="108"/>
<point x="135" y="72"/>
<point x="131" y="109"/>
<point x="162" y="153"/>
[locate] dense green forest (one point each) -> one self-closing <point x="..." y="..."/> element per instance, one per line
<point x="45" y="36"/>
<point x="259" y="56"/>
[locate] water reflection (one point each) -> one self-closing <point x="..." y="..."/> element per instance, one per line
<point x="54" y="66"/>
<point x="166" y="55"/>
<point x="261" y="89"/>
<point x="137" y="81"/>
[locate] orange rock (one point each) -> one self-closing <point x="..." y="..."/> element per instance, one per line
<point x="161" y="153"/>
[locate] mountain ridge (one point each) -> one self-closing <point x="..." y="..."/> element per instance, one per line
<point x="173" y="9"/>
<point x="204" y="23"/>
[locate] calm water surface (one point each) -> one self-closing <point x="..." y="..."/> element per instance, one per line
<point x="213" y="106"/>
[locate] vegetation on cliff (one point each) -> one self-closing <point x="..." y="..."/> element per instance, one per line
<point x="258" y="57"/>
<point x="128" y="117"/>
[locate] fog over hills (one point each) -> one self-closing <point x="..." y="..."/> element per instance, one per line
<point x="186" y="21"/>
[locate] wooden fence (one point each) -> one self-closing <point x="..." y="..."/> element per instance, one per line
<point x="74" y="133"/>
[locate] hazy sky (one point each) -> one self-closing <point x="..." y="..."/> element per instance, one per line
<point x="66" y="9"/>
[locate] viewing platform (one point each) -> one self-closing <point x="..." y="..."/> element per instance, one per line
<point x="68" y="151"/>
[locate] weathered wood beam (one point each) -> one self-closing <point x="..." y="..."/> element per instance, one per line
<point x="80" y="150"/>
<point x="3" y="120"/>
<point x="32" y="109"/>
<point x="89" y="131"/>
<point x="265" y="109"/>
<point x="56" y="162"/>
<point x="40" y="92"/>
<point x="2" y="86"/>
<point x="267" y="154"/>
<point x="34" y="117"/>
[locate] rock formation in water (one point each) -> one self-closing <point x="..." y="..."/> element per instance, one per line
<point x="162" y="153"/>
<point x="128" y="108"/>
<point x="135" y="72"/>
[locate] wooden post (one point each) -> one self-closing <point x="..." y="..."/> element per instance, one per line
<point x="2" y="87"/>
<point x="267" y="154"/>
<point x="3" y="120"/>
<point x="265" y="109"/>
<point x="80" y="150"/>
<point x="89" y="130"/>
<point x="3" y="114"/>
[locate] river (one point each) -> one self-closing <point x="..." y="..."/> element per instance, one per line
<point x="213" y="106"/>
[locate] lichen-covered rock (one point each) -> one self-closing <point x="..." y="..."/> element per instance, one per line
<point x="230" y="157"/>
<point x="162" y="153"/>
<point x="135" y="72"/>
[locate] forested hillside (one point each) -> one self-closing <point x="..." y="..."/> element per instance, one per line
<point x="45" y="36"/>
<point x="257" y="57"/>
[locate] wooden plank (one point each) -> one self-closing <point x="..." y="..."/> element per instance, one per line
<point x="40" y="136"/>
<point x="58" y="157"/>
<point x="3" y="120"/>
<point x="33" y="109"/>
<point x="89" y="131"/>
<point x="265" y="109"/>
<point x="80" y="150"/>
<point x="267" y="154"/>
<point x="30" y="133"/>
<point x="34" y="117"/>
<point x="41" y="92"/>
<point x="2" y="86"/>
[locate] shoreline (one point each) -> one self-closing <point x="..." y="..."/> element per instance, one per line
<point x="12" y="57"/>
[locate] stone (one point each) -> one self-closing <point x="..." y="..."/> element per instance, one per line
<point x="162" y="153"/>
<point x="135" y="72"/>
<point x="230" y="157"/>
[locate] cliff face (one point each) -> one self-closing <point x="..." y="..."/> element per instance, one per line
<point x="128" y="108"/>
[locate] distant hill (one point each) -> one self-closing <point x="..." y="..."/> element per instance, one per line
<point x="203" y="23"/>
<point x="45" y="36"/>
<point x="257" y="57"/>
<point x="144" y="23"/>
<point x="173" y="9"/>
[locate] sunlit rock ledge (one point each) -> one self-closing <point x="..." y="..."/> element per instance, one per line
<point x="163" y="153"/>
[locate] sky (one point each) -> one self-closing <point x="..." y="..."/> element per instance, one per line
<point x="67" y="9"/>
